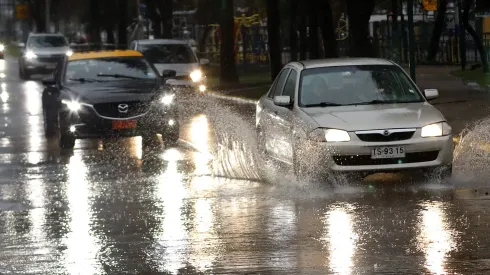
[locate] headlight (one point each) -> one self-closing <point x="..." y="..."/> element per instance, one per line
<point x="436" y="130"/>
<point x="2" y="47"/>
<point x="196" y="75"/>
<point x="168" y="99"/>
<point x="72" y="105"/>
<point x="329" y="135"/>
<point x="69" y="53"/>
<point x="30" y="55"/>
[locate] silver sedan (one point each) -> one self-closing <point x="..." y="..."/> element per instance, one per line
<point x="352" y="115"/>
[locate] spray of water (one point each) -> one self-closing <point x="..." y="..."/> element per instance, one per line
<point x="472" y="154"/>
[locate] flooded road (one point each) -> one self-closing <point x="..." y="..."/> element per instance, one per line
<point x="200" y="208"/>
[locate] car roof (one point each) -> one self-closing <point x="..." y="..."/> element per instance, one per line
<point x="104" y="54"/>
<point x="334" y="62"/>
<point x="162" y="41"/>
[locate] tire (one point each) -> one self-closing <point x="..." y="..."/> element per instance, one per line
<point x="305" y="171"/>
<point x="50" y="123"/>
<point x="22" y="75"/>
<point x="149" y="141"/>
<point x="170" y="139"/>
<point x="67" y="141"/>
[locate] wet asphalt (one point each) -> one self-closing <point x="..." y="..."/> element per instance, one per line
<point x="111" y="207"/>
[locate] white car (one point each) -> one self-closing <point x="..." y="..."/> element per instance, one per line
<point x="174" y="55"/>
<point x="357" y="115"/>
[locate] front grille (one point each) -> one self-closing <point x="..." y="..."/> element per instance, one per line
<point x="50" y="58"/>
<point x="366" y="159"/>
<point x="112" y="109"/>
<point x="375" y="137"/>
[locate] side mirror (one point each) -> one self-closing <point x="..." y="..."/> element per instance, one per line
<point x="169" y="73"/>
<point x="431" y="94"/>
<point x="22" y="45"/>
<point x="49" y="81"/>
<point x="282" y="100"/>
<point x="204" y="61"/>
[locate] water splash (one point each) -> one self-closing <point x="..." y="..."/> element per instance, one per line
<point x="472" y="154"/>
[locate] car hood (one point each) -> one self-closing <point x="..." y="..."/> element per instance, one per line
<point x="373" y="117"/>
<point x="48" y="51"/>
<point x="94" y="93"/>
<point x="181" y="69"/>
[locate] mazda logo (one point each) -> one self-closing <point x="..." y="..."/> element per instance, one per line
<point x="123" y="108"/>
<point x="386" y="133"/>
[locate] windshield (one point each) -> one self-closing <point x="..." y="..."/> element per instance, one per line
<point x="351" y="85"/>
<point x="109" y="69"/>
<point x="168" y="54"/>
<point x="47" y="42"/>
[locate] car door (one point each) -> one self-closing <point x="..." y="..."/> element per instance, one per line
<point x="283" y="117"/>
<point x="269" y="118"/>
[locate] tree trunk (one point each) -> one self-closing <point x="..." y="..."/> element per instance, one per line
<point x="313" y="29"/>
<point x="359" y="13"/>
<point x="166" y="10"/>
<point x="467" y="6"/>
<point x="122" y="34"/>
<point x="110" y="35"/>
<point x="203" y="39"/>
<point x="438" y="28"/>
<point x="95" y="22"/>
<point x="403" y="33"/>
<point x="228" y="73"/>
<point x="155" y="19"/>
<point x="303" y="43"/>
<point x="273" y="41"/>
<point x="293" y="35"/>
<point x="328" y="31"/>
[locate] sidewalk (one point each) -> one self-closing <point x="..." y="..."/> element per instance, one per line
<point x="460" y="104"/>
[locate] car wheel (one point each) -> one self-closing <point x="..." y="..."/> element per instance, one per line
<point x="170" y="139"/>
<point x="50" y="123"/>
<point x="67" y="141"/>
<point x="149" y="141"/>
<point x="263" y="161"/>
<point x="303" y="169"/>
<point x="22" y="74"/>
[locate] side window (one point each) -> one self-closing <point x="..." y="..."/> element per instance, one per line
<point x="290" y="86"/>
<point x="279" y="83"/>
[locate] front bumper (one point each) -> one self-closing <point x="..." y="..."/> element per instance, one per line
<point x="188" y="86"/>
<point x="355" y="155"/>
<point x="36" y="65"/>
<point x="88" y="123"/>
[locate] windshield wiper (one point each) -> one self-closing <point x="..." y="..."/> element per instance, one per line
<point x="82" y="80"/>
<point x="377" y="101"/>
<point x="323" y="104"/>
<point x="120" y="76"/>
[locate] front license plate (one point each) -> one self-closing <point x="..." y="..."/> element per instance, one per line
<point x="124" y="124"/>
<point x="51" y="66"/>
<point x="388" y="152"/>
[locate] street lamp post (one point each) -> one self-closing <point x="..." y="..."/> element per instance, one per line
<point x="411" y="40"/>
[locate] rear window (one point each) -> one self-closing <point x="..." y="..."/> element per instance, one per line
<point x="168" y="54"/>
